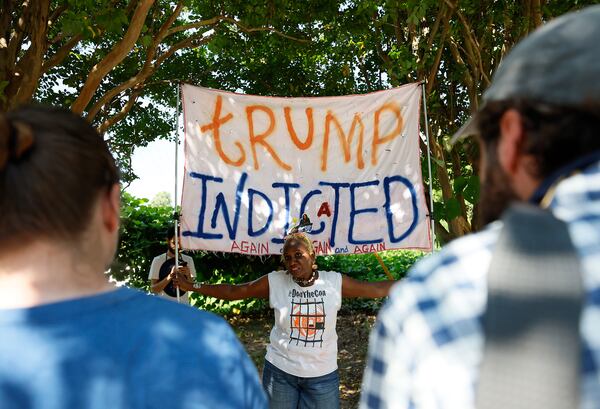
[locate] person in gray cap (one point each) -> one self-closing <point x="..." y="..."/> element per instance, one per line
<point x="539" y="136"/>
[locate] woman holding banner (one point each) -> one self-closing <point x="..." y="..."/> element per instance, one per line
<point x="300" y="368"/>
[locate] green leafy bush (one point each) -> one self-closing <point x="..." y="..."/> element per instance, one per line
<point x="366" y="267"/>
<point x="143" y="231"/>
<point x="142" y="237"/>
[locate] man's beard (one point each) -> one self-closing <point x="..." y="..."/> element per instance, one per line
<point x="496" y="195"/>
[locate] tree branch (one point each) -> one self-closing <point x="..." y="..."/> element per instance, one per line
<point x="62" y="53"/>
<point x="191" y="42"/>
<point x="114" y="57"/>
<point x="472" y="44"/>
<point x="536" y="9"/>
<point x="29" y="68"/>
<point x="148" y="69"/>
<point x="198" y="24"/>
<point x="269" y="29"/>
<point x="164" y="29"/>
<point x="141" y="85"/>
<point x="122" y="113"/>
<point x="16" y="36"/>
<point x="469" y="81"/>
<point x="6" y="10"/>
<point x="441" y="233"/>
<point x="56" y="13"/>
<point x="436" y="25"/>
<point x="214" y="20"/>
<point x="130" y="7"/>
<point x="438" y="58"/>
<point x="151" y="63"/>
<point x="387" y="61"/>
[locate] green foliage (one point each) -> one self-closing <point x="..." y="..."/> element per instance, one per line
<point x="470" y="190"/>
<point x="161" y="199"/>
<point x="234" y="268"/>
<point x="281" y="48"/>
<point x="366" y="267"/>
<point x="143" y="236"/>
<point x="231" y="268"/>
<point x="452" y="209"/>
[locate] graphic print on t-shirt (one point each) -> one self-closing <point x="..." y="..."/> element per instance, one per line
<point x="307" y="322"/>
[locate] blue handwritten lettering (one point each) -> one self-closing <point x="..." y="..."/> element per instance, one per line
<point x="231" y="228"/>
<point x="251" y="231"/>
<point x="286" y="191"/>
<point x="200" y="233"/>
<point x="354" y="212"/>
<point x="336" y="188"/>
<point x="388" y="203"/>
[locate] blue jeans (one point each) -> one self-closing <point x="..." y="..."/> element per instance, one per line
<point x="287" y="391"/>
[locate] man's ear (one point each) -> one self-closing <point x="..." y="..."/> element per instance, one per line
<point x="111" y="208"/>
<point x="511" y="141"/>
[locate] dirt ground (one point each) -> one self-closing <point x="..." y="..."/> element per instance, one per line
<point x="353" y="337"/>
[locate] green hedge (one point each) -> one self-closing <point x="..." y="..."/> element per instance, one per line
<point x="366" y="267"/>
<point x="143" y="231"/>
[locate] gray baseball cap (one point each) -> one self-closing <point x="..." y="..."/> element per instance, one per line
<point x="559" y="63"/>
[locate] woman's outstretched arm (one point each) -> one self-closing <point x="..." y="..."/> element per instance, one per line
<point x="352" y="288"/>
<point x="258" y="288"/>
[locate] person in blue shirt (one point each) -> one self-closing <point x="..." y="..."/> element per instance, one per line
<point x="69" y="337"/>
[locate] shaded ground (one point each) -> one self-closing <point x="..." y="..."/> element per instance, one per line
<point x="353" y="337"/>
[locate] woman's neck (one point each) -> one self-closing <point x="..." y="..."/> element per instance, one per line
<point x="307" y="282"/>
<point x="45" y="272"/>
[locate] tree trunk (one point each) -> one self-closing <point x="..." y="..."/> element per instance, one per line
<point x="30" y="66"/>
<point x="20" y="77"/>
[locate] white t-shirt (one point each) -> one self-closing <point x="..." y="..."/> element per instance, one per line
<point x="155" y="269"/>
<point x="304" y="339"/>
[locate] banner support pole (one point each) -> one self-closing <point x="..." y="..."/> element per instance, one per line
<point x="385" y="269"/>
<point x="175" y="194"/>
<point x="429" y="165"/>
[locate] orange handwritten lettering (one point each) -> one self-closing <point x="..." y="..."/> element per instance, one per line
<point x="345" y="140"/>
<point x="290" y="126"/>
<point x="390" y="106"/>
<point x="260" y="138"/>
<point x="216" y="123"/>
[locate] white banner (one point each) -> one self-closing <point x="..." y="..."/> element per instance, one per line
<point x="255" y="164"/>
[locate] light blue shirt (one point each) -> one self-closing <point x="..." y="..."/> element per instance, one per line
<point x="122" y="349"/>
<point x="427" y="344"/>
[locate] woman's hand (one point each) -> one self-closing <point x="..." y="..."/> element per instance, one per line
<point x="185" y="270"/>
<point x="183" y="279"/>
<point x="172" y="274"/>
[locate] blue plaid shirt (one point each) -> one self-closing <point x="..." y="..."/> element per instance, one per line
<point x="427" y="344"/>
